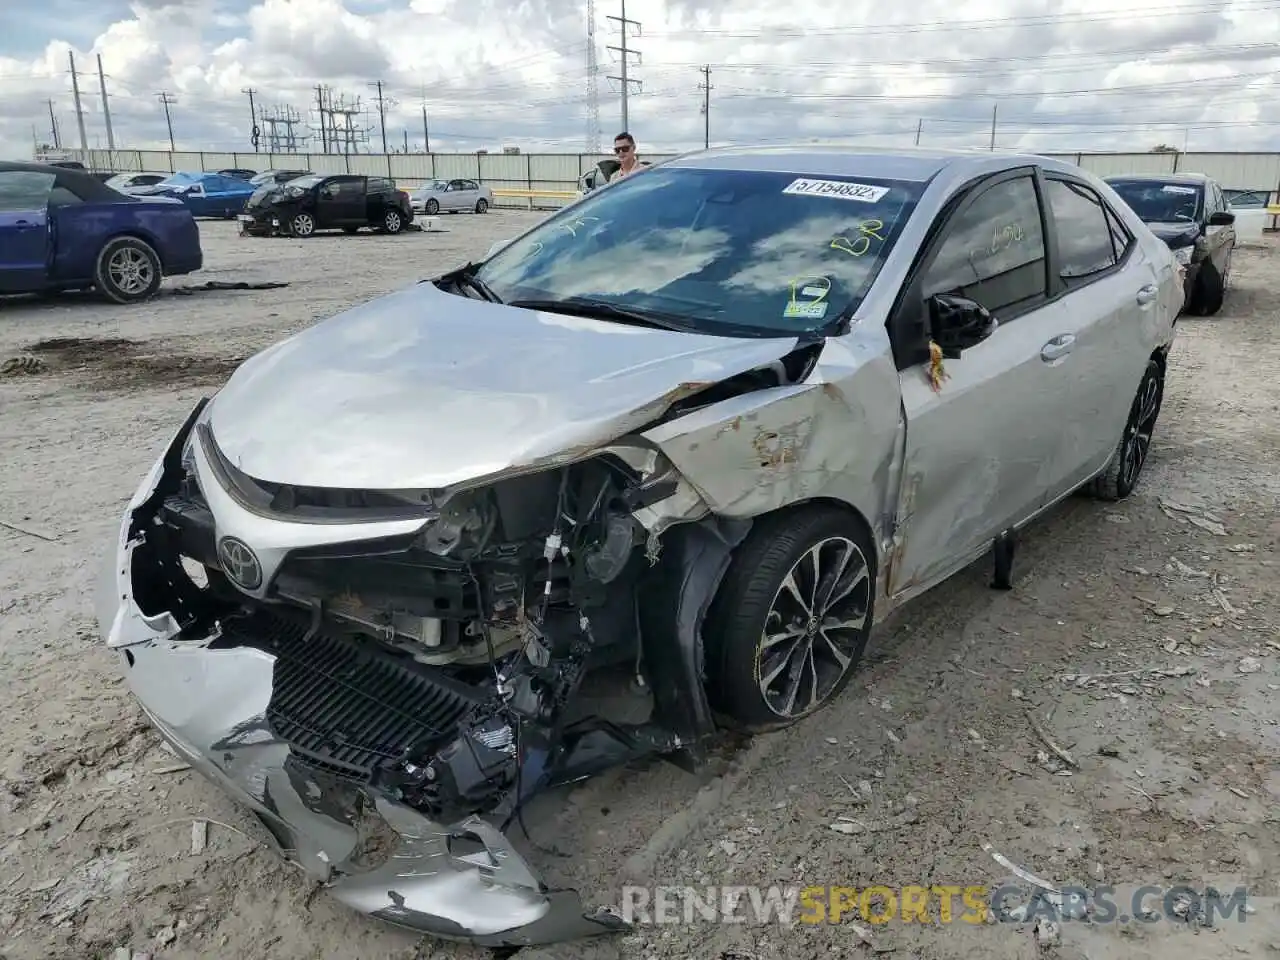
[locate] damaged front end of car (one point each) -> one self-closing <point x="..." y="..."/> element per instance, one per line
<point x="385" y="678"/>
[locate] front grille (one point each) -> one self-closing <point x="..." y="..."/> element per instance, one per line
<point x="346" y="706"/>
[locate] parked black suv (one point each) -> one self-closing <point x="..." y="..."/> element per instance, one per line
<point x="1190" y="213"/>
<point x="318" y="202"/>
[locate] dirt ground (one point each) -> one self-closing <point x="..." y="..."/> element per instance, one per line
<point x="1141" y="638"/>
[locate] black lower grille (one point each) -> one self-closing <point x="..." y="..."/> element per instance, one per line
<point x="346" y="706"/>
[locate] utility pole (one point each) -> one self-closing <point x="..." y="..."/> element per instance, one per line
<point x="705" y="87"/>
<point x="255" y="132"/>
<point x="919" y="130"/>
<point x="324" y="133"/>
<point x="624" y="53"/>
<point x="75" y="90"/>
<point x="406" y="141"/>
<point x="426" y="134"/>
<point x="166" y="98"/>
<point x="106" y="108"/>
<point x="994" y="107"/>
<point x="382" y="113"/>
<point x="593" y="83"/>
<point x="53" y="127"/>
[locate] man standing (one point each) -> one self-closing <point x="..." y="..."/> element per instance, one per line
<point x="624" y="148"/>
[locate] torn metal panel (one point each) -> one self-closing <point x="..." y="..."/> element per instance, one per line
<point x="830" y="436"/>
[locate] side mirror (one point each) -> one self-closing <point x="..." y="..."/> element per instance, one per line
<point x="958" y="323"/>
<point x="1223" y="218"/>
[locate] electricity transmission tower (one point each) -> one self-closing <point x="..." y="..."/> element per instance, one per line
<point x="593" y="82"/>
<point x="624" y="57"/>
<point x="344" y="134"/>
<point x="280" y="134"/>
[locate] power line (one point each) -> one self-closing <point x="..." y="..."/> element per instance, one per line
<point x="624" y="53"/>
<point x="167" y="98"/>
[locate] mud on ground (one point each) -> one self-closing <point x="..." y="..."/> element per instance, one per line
<point x="1142" y="639"/>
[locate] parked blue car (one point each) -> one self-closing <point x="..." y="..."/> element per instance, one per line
<point x="64" y="229"/>
<point x="205" y="194"/>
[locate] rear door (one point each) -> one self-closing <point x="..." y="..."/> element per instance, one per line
<point x="980" y="449"/>
<point x="26" y="244"/>
<point x="468" y="194"/>
<point x="1105" y="310"/>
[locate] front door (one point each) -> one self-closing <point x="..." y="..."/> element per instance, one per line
<point x="26" y="246"/>
<point x="341" y="202"/>
<point x="980" y="449"/>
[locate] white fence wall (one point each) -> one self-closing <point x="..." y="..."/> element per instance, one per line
<point x="560" y="172"/>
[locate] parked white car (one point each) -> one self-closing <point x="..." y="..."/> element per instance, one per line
<point x="130" y="182"/>
<point x="451" y="196"/>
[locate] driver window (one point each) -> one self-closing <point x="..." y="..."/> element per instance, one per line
<point x="994" y="251"/>
<point x="24" y="190"/>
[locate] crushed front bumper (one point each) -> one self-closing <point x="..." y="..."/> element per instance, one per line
<point x="461" y="881"/>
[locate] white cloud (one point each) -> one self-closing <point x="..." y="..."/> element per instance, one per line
<point x="1091" y="74"/>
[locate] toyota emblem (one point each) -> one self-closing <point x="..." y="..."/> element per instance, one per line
<point x="239" y="563"/>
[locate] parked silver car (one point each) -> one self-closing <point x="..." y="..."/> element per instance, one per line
<point x="451" y="196"/>
<point x="708" y="426"/>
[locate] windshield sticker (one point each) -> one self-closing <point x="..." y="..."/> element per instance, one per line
<point x="862" y="192"/>
<point x="868" y="230"/>
<point x="815" y="289"/>
<point x="1171" y="188"/>
<point x="805" y="310"/>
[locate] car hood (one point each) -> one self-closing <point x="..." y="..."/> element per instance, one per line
<point x="424" y="389"/>
<point x="1176" y="234"/>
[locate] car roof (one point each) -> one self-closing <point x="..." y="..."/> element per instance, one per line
<point x="885" y="163"/>
<point x="1181" y="177"/>
<point x="80" y="182"/>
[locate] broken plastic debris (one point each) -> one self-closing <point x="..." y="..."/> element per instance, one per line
<point x="199" y="836"/>
<point x="1249" y="665"/>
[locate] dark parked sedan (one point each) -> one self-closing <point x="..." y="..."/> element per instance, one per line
<point x="1189" y="212"/>
<point x="63" y="229"/>
<point x="317" y="202"/>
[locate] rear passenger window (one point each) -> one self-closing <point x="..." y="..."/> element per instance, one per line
<point x="1085" y="244"/>
<point x="994" y="251"/>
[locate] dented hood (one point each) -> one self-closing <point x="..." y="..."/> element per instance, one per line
<point x="424" y="389"/>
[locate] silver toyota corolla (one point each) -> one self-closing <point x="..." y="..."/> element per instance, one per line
<point x="703" y="428"/>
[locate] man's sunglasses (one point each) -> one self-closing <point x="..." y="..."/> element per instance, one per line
<point x="625" y="148"/>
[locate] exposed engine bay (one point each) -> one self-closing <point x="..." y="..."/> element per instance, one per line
<point x="444" y="668"/>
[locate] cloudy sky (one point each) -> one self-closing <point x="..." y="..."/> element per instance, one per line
<point x="1060" y="74"/>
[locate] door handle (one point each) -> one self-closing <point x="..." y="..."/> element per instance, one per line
<point x="1058" y="347"/>
<point x="1147" y="294"/>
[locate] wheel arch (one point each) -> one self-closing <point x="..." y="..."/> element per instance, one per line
<point x="135" y="233"/>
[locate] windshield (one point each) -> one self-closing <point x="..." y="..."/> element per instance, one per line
<point x="304" y="183"/>
<point x="1156" y="201"/>
<point x="180" y="180"/>
<point x="772" y="252"/>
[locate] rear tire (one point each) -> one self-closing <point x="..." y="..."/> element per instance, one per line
<point x="1120" y="477"/>
<point x="778" y="647"/>
<point x="127" y="271"/>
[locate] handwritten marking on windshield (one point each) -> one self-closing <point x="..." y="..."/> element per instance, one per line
<point x="868" y="230"/>
<point x="580" y="222"/>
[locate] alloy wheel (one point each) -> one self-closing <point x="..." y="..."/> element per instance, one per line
<point x="812" y="631"/>
<point x="1142" y="422"/>
<point x="303" y="225"/>
<point x="392" y="221"/>
<point x="130" y="271"/>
